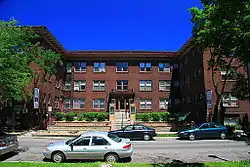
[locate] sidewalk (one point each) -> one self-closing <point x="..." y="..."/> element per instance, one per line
<point x="63" y="135"/>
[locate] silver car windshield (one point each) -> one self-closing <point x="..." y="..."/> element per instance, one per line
<point x="114" y="138"/>
<point x="71" y="140"/>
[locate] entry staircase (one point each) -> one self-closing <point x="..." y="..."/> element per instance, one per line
<point x="121" y="120"/>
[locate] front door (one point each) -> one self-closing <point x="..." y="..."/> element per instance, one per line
<point x="80" y="149"/>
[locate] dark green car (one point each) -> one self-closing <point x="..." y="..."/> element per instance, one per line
<point x="205" y="131"/>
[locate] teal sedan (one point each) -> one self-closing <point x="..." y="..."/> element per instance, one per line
<point x="205" y="130"/>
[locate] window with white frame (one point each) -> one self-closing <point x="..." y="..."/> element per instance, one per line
<point x="121" y="66"/>
<point x="228" y="100"/>
<point x="67" y="104"/>
<point x="164" y="67"/>
<point x="80" y="85"/>
<point x="98" y="104"/>
<point x="145" y="85"/>
<point x="229" y="75"/>
<point x="68" y="67"/>
<point x="163" y="103"/>
<point x="99" y="85"/>
<point x="122" y="85"/>
<point x="145" y="66"/>
<point x="99" y="67"/>
<point x="164" y="85"/>
<point x="145" y="103"/>
<point x="80" y="66"/>
<point x="78" y="103"/>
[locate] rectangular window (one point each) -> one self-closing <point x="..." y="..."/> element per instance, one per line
<point x="67" y="104"/>
<point x="80" y="66"/>
<point x="146" y="104"/>
<point x="78" y="103"/>
<point x="164" y="67"/>
<point x="121" y="66"/>
<point x="229" y="101"/>
<point x="80" y="85"/>
<point x="229" y="76"/>
<point x="99" y="85"/>
<point x="122" y="85"/>
<point x="163" y="104"/>
<point x="68" y="67"/>
<point x="98" y="104"/>
<point x="164" y="85"/>
<point x="145" y="85"/>
<point x="99" y="67"/>
<point x="145" y="66"/>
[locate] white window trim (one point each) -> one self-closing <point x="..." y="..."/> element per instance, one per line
<point x="146" y="102"/>
<point x="122" y="68"/>
<point x="99" y="85"/>
<point x="99" y="104"/>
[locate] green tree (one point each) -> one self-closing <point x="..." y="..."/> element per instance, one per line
<point x="220" y="28"/>
<point x="18" y="48"/>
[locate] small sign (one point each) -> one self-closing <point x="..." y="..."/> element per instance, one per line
<point x="209" y="95"/>
<point x="36" y="98"/>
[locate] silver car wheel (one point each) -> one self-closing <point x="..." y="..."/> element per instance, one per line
<point x="146" y="137"/>
<point x="223" y="136"/>
<point x="111" y="158"/>
<point x="191" y="136"/>
<point x="58" y="157"/>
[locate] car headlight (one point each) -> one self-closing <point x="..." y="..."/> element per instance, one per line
<point x="182" y="132"/>
<point x="46" y="149"/>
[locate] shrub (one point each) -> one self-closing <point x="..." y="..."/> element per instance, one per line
<point x="69" y="116"/>
<point x="139" y="116"/>
<point x="155" y="116"/>
<point x="164" y="116"/>
<point x="90" y="116"/>
<point x="81" y="116"/>
<point x="101" y="116"/>
<point x="145" y="117"/>
<point x="59" y="116"/>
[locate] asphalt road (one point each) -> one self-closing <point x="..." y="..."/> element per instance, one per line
<point x="158" y="151"/>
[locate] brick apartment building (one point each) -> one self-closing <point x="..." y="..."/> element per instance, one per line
<point x="149" y="81"/>
<point x="93" y="80"/>
<point x="197" y="89"/>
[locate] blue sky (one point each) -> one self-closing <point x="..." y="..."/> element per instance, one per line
<point x="153" y="25"/>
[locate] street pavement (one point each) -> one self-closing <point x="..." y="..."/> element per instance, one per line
<point x="161" y="150"/>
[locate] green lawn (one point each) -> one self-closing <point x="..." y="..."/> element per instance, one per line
<point x="97" y="164"/>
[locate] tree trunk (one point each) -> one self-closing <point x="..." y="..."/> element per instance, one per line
<point x="218" y="116"/>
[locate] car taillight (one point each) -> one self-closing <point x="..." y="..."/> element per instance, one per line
<point x="127" y="146"/>
<point x="2" y="144"/>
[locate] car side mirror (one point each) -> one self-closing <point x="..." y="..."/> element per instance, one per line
<point x="71" y="146"/>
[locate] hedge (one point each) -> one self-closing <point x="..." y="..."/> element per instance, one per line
<point x="153" y="116"/>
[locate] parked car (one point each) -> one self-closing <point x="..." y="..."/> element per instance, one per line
<point x="205" y="130"/>
<point x="90" y="145"/>
<point x="135" y="131"/>
<point x="8" y="143"/>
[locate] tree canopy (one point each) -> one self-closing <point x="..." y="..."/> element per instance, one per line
<point x="17" y="51"/>
<point x="222" y="27"/>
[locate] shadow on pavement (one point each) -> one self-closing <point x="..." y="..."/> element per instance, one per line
<point x="178" y="163"/>
<point x="124" y="160"/>
<point x="7" y="156"/>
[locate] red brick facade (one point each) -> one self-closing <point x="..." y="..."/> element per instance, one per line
<point x="196" y="80"/>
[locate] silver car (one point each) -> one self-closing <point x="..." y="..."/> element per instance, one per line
<point x="90" y="145"/>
